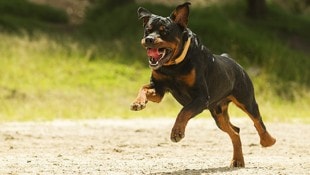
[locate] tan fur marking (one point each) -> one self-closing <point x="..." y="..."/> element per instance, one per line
<point x="162" y="28"/>
<point x="266" y="138"/>
<point x="189" y="79"/>
<point x="159" y="76"/>
<point x="241" y="106"/>
<point x="226" y="126"/>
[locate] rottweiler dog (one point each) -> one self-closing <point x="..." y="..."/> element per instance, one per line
<point x="196" y="78"/>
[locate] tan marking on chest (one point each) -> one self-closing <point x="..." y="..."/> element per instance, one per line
<point x="159" y="76"/>
<point x="189" y="79"/>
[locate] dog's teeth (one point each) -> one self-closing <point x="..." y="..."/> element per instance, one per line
<point x="153" y="60"/>
<point x="163" y="54"/>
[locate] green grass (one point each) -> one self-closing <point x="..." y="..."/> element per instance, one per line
<point x="41" y="79"/>
<point x="96" y="70"/>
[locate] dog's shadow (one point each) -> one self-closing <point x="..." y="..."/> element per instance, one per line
<point x="197" y="171"/>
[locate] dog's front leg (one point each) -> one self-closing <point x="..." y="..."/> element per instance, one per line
<point x="189" y="111"/>
<point x="146" y="93"/>
<point x="196" y="106"/>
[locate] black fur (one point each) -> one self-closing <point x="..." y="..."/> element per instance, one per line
<point x="200" y="81"/>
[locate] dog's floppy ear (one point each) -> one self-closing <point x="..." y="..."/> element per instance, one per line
<point x="144" y="14"/>
<point x="180" y="14"/>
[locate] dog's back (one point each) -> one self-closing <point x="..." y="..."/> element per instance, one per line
<point x="223" y="75"/>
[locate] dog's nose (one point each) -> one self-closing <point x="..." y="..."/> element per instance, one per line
<point x="149" y="40"/>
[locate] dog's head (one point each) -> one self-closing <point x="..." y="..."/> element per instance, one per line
<point x="165" y="38"/>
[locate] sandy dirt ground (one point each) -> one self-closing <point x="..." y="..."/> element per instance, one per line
<point x="142" y="146"/>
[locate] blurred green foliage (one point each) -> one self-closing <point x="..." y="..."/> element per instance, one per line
<point x="21" y="14"/>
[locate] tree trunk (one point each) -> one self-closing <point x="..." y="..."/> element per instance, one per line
<point x="256" y="8"/>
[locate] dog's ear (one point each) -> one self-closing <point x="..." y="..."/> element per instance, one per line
<point x="144" y="14"/>
<point x="180" y="14"/>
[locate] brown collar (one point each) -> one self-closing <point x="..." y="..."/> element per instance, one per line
<point x="184" y="52"/>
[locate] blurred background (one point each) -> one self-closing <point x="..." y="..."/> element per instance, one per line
<point x="82" y="59"/>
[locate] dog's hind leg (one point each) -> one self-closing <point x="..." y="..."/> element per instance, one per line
<point x="250" y="106"/>
<point x="221" y="117"/>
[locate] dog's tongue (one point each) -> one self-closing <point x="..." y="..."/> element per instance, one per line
<point x="154" y="53"/>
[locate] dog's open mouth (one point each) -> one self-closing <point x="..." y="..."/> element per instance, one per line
<point x="158" y="56"/>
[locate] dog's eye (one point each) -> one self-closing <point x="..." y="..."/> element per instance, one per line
<point x="164" y="31"/>
<point x="147" y="30"/>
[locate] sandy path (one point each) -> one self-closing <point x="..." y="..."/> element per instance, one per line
<point x="142" y="146"/>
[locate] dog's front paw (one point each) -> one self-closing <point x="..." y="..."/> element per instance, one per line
<point x="138" y="105"/>
<point x="177" y="134"/>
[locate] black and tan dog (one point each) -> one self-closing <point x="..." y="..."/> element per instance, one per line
<point x="196" y="78"/>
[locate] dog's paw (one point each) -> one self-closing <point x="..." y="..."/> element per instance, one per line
<point x="177" y="134"/>
<point x="138" y="105"/>
<point x="267" y="140"/>
<point x="237" y="164"/>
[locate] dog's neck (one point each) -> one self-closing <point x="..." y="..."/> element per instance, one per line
<point x="180" y="58"/>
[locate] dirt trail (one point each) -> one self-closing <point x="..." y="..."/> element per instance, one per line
<point x="142" y="146"/>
